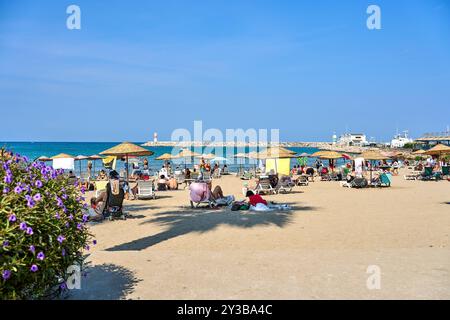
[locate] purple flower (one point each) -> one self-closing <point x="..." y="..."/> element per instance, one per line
<point x="31" y="204"/>
<point x="71" y="217"/>
<point x="61" y="239"/>
<point x="85" y="218"/>
<point x="87" y="248"/>
<point x="63" y="286"/>
<point x="59" y="202"/>
<point x="34" y="268"/>
<point x="6" y="243"/>
<point x="94" y="242"/>
<point x="6" y="274"/>
<point x="63" y="251"/>
<point x="29" y="231"/>
<point x="6" y="190"/>
<point x="12" y="218"/>
<point x="18" y="189"/>
<point x="38" y="184"/>
<point x="57" y="216"/>
<point x="32" y="249"/>
<point x="37" y="197"/>
<point x="40" y="256"/>
<point x="23" y="226"/>
<point x="79" y="226"/>
<point x="64" y="196"/>
<point x="8" y="179"/>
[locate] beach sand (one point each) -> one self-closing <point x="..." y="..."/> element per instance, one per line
<point x="319" y="250"/>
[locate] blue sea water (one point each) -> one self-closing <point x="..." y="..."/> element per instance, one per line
<point x="34" y="150"/>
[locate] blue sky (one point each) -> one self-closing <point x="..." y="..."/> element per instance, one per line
<point x="308" y="68"/>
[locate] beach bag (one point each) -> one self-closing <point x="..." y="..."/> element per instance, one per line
<point x="239" y="205"/>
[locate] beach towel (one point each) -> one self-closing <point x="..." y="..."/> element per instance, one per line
<point x="115" y="187"/>
<point x="271" y="207"/>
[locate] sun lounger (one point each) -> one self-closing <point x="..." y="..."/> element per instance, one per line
<point x="285" y="185"/>
<point x="264" y="186"/>
<point x="100" y="186"/>
<point x="301" y="180"/>
<point x="146" y="190"/>
<point x="385" y="180"/>
<point x="114" y="204"/>
<point x="445" y="171"/>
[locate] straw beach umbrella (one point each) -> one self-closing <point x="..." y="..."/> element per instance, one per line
<point x="330" y="156"/>
<point x="438" y="150"/>
<point x="127" y="149"/>
<point x="63" y="156"/>
<point x="373" y="155"/>
<point x="419" y="152"/>
<point x="187" y="154"/>
<point x="44" y="159"/>
<point x="318" y="153"/>
<point x="165" y="157"/>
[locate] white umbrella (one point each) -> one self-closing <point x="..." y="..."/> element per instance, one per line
<point x="220" y="159"/>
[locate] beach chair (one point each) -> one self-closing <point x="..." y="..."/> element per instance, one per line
<point x="301" y="180"/>
<point x="429" y="175"/>
<point x="180" y="177"/>
<point x="100" y="186"/>
<point x="114" y="204"/>
<point x="359" y="183"/>
<point x="445" y="171"/>
<point x="285" y="185"/>
<point x="264" y="186"/>
<point x="246" y="175"/>
<point x="146" y="190"/>
<point x="216" y="174"/>
<point x="206" y="176"/>
<point x="199" y="193"/>
<point x="385" y="180"/>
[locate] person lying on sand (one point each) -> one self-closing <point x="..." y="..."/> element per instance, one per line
<point x="257" y="203"/>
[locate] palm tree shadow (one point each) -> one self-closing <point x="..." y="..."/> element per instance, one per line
<point x="105" y="282"/>
<point x="183" y="222"/>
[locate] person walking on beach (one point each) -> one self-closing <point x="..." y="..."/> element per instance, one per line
<point x="89" y="169"/>
<point x="318" y="165"/>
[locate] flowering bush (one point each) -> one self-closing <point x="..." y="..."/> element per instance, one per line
<point x="42" y="228"/>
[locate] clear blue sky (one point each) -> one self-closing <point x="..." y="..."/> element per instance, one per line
<point x="306" y="67"/>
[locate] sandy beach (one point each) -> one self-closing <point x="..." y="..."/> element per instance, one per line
<point x="319" y="250"/>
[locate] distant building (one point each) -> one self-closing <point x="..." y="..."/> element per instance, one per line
<point x="429" y="140"/>
<point x="400" y="140"/>
<point x="353" y="139"/>
<point x="155" y="137"/>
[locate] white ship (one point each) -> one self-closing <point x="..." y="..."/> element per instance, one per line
<point x="400" y="140"/>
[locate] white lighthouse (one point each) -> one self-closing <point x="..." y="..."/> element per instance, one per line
<point x="155" y="137"/>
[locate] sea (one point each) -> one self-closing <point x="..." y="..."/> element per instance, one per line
<point x="34" y="150"/>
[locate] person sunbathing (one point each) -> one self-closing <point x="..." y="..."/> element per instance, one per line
<point x="257" y="203"/>
<point x="102" y="175"/>
<point x="255" y="199"/>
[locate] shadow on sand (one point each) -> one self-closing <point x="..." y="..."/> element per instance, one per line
<point x="105" y="282"/>
<point x="185" y="221"/>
